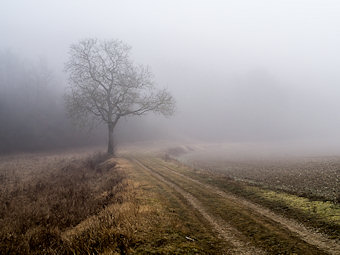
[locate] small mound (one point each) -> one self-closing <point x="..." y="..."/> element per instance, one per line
<point x="177" y="151"/>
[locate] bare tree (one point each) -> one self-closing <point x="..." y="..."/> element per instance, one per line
<point x="105" y="85"/>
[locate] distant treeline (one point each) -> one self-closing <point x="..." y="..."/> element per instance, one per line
<point x="32" y="113"/>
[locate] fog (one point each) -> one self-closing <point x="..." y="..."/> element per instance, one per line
<point x="247" y="72"/>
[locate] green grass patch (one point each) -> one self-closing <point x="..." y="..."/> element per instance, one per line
<point x="327" y="211"/>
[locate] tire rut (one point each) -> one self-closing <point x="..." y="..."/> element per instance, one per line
<point x="317" y="239"/>
<point x="227" y="232"/>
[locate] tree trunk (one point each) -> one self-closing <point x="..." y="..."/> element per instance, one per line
<point x="110" y="146"/>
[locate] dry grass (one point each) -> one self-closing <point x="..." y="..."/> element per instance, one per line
<point x="44" y="196"/>
<point x="76" y="204"/>
<point x="167" y="223"/>
<point x="112" y="231"/>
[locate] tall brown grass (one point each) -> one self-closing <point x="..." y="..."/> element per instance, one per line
<point x="41" y="202"/>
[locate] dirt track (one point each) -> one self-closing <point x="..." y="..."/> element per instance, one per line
<point x="309" y="242"/>
<point x="225" y="231"/>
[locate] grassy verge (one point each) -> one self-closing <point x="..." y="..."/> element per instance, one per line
<point x="35" y="213"/>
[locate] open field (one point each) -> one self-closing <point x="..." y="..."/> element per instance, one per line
<point x="313" y="177"/>
<point x="85" y="203"/>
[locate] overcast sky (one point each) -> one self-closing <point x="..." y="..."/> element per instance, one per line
<point x="240" y="70"/>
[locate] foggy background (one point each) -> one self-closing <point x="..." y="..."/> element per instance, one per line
<point x="251" y="72"/>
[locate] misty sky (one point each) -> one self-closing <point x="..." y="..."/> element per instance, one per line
<point x="239" y="70"/>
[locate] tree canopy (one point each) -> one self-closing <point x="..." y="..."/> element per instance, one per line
<point x="105" y="85"/>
